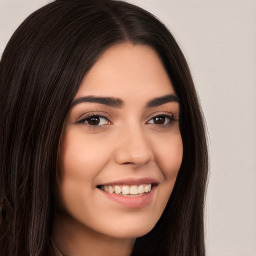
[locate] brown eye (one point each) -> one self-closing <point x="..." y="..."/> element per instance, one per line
<point x="159" y="119"/>
<point x="162" y="120"/>
<point x="94" y="120"/>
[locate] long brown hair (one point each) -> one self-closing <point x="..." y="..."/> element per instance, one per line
<point x="40" y="72"/>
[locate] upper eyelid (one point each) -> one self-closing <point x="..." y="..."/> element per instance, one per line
<point x="93" y="113"/>
<point x="160" y="113"/>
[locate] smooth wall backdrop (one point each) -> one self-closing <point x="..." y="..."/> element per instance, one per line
<point x="218" y="38"/>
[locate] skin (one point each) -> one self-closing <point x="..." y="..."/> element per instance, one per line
<point x="129" y="143"/>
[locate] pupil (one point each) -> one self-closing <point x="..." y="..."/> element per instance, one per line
<point x="160" y="120"/>
<point x="94" y="120"/>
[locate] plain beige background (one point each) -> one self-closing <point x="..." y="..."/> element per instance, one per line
<point x="218" y="38"/>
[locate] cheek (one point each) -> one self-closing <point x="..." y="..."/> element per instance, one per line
<point x="169" y="156"/>
<point x="79" y="166"/>
<point x="80" y="156"/>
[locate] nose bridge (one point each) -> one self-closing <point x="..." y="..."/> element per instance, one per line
<point x="134" y="146"/>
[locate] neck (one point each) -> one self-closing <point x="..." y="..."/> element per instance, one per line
<point x="75" y="239"/>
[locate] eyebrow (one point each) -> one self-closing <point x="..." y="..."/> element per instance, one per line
<point x="162" y="100"/>
<point x="118" y="103"/>
<point x="109" y="101"/>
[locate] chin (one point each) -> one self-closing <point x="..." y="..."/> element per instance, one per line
<point x="131" y="229"/>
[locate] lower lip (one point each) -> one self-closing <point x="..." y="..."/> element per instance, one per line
<point x="135" y="202"/>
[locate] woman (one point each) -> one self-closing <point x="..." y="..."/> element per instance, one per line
<point x="103" y="148"/>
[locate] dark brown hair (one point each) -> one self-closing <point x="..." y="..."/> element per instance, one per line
<point x="40" y="72"/>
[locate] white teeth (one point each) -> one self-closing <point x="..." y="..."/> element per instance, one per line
<point x="128" y="190"/>
<point x="118" y="189"/>
<point x="125" y="190"/>
<point x="110" y="190"/>
<point x="133" y="190"/>
<point x="140" y="189"/>
<point x="147" y="188"/>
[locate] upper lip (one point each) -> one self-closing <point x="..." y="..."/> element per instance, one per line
<point x="132" y="181"/>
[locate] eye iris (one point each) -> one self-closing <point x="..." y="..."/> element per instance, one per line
<point x="159" y="120"/>
<point x="94" y="120"/>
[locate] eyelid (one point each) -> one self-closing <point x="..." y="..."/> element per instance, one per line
<point x="91" y="114"/>
<point x="168" y="114"/>
<point x="106" y="116"/>
<point x="94" y="128"/>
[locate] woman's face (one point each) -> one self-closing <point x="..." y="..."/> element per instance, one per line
<point x="121" y="146"/>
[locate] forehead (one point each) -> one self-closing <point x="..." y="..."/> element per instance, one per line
<point x="127" y="69"/>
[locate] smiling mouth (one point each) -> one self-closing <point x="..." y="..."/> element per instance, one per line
<point x="127" y="190"/>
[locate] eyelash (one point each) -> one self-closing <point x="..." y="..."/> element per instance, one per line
<point x="98" y="127"/>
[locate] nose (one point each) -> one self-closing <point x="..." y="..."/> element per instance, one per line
<point x="133" y="148"/>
